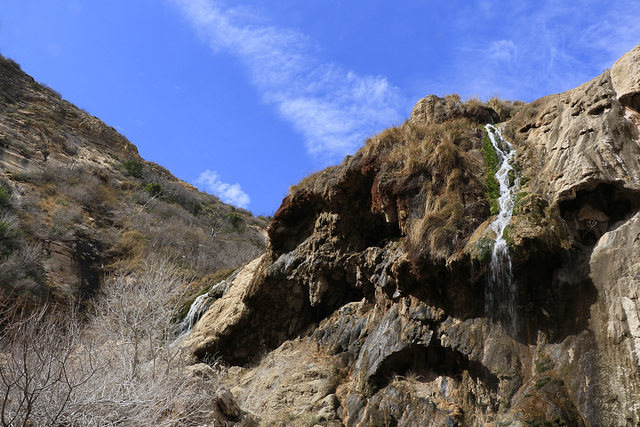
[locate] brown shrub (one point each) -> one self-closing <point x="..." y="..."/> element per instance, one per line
<point x="505" y="108"/>
<point x="130" y="244"/>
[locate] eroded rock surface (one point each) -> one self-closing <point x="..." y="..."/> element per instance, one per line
<point x="377" y="270"/>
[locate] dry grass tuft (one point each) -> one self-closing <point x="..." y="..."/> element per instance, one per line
<point x="434" y="170"/>
<point x="505" y="108"/>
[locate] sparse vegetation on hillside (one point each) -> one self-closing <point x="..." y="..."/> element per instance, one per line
<point x="20" y="269"/>
<point x="72" y="182"/>
<point x="180" y="223"/>
<point x="88" y="227"/>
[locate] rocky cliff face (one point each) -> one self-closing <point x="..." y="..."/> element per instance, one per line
<point x="377" y="273"/>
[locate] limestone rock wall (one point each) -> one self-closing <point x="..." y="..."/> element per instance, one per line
<point x="408" y="338"/>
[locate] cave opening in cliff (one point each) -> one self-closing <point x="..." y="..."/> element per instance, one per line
<point x="631" y="101"/>
<point x="342" y="293"/>
<point x="427" y="363"/>
<point x="591" y="213"/>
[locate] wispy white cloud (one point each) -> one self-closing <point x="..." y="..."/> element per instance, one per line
<point x="541" y="48"/>
<point x="503" y="50"/>
<point x="332" y="107"/>
<point x="211" y="182"/>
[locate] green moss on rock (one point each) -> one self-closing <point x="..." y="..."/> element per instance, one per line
<point x="492" y="165"/>
<point x="483" y="249"/>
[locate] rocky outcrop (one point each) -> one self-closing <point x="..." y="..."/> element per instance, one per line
<point x="295" y="381"/>
<point x="36" y="125"/>
<point x="625" y="78"/>
<point x="615" y="268"/>
<point x="433" y="109"/>
<point x="577" y="140"/>
<point x="379" y="267"/>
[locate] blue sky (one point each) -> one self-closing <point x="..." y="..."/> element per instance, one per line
<point x="244" y="98"/>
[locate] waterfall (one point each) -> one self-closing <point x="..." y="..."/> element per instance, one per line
<point x="197" y="309"/>
<point x="501" y="292"/>
<point x="200" y="305"/>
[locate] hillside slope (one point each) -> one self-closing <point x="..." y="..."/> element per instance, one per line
<point x="383" y="298"/>
<point x="77" y="203"/>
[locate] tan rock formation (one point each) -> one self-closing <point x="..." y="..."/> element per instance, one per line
<point x="615" y="269"/>
<point x="379" y="267"/>
<point x="625" y="77"/>
<point x="295" y="381"/>
<point x="576" y="140"/>
<point x="224" y="312"/>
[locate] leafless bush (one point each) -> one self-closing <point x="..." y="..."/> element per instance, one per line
<point x="55" y="172"/>
<point x="163" y="394"/>
<point x="136" y="310"/>
<point x="85" y="190"/>
<point x="9" y="219"/>
<point x="140" y="197"/>
<point x="40" y="368"/>
<point x="119" y="369"/>
<point x="19" y="259"/>
<point x="62" y="220"/>
<point x="168" y="211"/>
<point x="143" y="380"/>
<point x="189" y="199"/>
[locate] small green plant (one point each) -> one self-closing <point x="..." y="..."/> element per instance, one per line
<point x="21" y="177"/>
<point x="235" y="220"/>
<point x="9" y="239"/>
<point x="516" y="204"/>
<point x="506" y="404"/>
<point x="506" y="234"/>
<point x="24" y="151"/>
<point x="543" y="363"/>
<point x="133" y="167"/>
<point x="154" y="189"/>
<point x="492" y="165"/>
<point x="543" y="381"/>
<point x="5" y="196"/>
<point x="513" y="175"/>
<point x="484" y="249"/>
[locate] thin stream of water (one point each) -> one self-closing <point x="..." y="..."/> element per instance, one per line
<point x="197" y="309"/>
<point x="501" y="292"/>
<point x="200" y="305"/>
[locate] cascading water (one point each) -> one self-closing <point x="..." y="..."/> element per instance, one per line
<point x="501" y="292"/>
<point x="197" y="309"/>
<point x="201" y="305"/>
